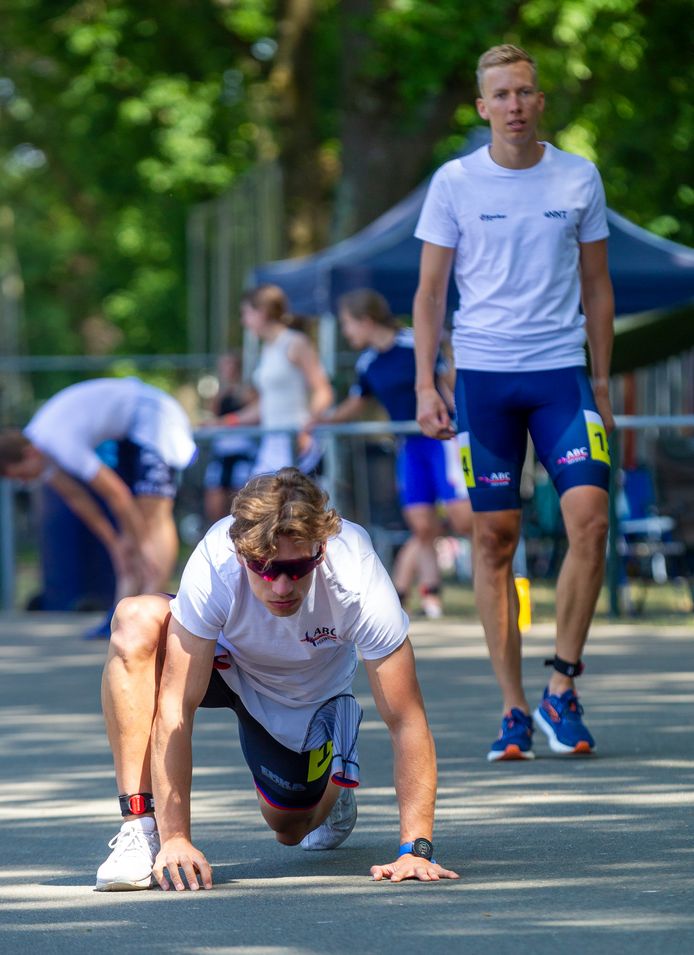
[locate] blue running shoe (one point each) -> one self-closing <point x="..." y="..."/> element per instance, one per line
<point x="559" y="718"/>
<point x="515" y="737"/>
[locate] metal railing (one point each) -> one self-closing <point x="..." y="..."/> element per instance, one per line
<point x="330" y="433"/>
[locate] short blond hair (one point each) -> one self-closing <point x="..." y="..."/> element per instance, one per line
<point x="285" y="504"/>
<point x="502" y="55"/>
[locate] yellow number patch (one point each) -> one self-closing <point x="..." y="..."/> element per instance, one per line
<point x="319" y="760"/>
<point x="466" y="458"/>
<point x="597" y="437"/>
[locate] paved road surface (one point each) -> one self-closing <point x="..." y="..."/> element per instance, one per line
<point x="588" y="856"/>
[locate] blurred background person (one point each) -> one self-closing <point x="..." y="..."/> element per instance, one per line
<point x="291" y="383"/>
<point x="154" y="442"/>
<point x="231" y="455"/>
<point x="428" y="471"/>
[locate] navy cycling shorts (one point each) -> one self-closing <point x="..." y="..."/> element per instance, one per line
<point x="285" y="779"/>
<point x="145" y="473"/>
<point x="497" y="410"/>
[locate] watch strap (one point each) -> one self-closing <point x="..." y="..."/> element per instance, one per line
<point x="408" y="847"/>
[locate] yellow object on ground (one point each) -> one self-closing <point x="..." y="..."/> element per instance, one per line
<point x="525" y="617"/>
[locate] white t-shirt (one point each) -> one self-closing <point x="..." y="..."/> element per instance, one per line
<point x="285" y="668"/>
<point x="282" y="388"/>
<point x="516" y="233"/>
<point x="76" y="420"/>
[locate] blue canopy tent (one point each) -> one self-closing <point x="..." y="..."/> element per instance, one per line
<point x="648" y="273"/>
<point x="384" y="256"/>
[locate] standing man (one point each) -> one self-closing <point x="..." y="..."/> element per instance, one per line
<point x="274" y="604"/>
<point x="154" y="442"/>
<point x="523" y="224"/>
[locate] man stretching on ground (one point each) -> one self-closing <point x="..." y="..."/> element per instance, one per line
<point x="273" y="605"/>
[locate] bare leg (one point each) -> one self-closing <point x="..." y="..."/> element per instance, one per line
<point x="459" y="514"/>
<point x="291" y="827"/>
<point x="495" y="538"/>
<point x="161" y="542"/>
<point x="130" y="684"/>
<point x="405" y="567"/>
<point x="426" y="527"/>
<point x="585" y="513"/>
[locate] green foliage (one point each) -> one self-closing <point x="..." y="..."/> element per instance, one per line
<point x="617" y="76"/>
<point x="117" y="115"/>
<point x="125" y="111"/>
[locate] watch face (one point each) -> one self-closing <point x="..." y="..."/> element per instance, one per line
<point x="422" y="848"/>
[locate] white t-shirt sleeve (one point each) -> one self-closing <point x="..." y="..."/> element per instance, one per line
<point x="593" y="225"/>
<point x="437" y="222"/>
<point x="382" y="624"/>
<point x="203" y="602"/>
<point x="67" y="450"/>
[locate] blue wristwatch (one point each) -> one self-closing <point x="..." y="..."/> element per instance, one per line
<point x="419" y="847"/>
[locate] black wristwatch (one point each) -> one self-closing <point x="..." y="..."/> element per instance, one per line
<point x="419" y="847"/>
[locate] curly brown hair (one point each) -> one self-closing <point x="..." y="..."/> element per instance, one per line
<point x="285" y="504"/>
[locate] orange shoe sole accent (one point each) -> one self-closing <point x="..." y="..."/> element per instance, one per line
<point x="583" y="747"/>
<point x="512" y="751"/>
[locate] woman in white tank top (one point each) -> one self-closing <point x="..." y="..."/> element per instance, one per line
<point x="292" y="385"/>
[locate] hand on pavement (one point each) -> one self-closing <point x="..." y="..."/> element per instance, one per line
<point x="180" y="854"/>
<point x="412" y="867"/>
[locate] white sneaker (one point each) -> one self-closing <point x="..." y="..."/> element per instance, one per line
<point x="333" y="832"/>
<point x="431" y="606"/>
<point x="129" y="867"/>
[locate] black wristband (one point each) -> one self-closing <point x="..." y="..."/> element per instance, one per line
<point x="136" y="804"/>
<point x="563" y="666"/>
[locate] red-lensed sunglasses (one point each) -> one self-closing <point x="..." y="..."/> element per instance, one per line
<point x="294" y="569"/>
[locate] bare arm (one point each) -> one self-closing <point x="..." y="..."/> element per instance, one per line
<point x="84" y="506"/>
<point x="427" y="318"/>
<point x="598" y="305"/>
<point x="121" y="544"/>
<point x="396" y="691"/>
<point x="445" y="385"/>
<point x="304" y="355"/>
<point x="185" y="677"/>
<point x="249" y="414"/>
<point x="133" y="566"/>
<point x="351" y="409"/>
<point x="119" y="498"/>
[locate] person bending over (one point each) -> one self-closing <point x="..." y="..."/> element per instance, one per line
<point x="154" y="441"/>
